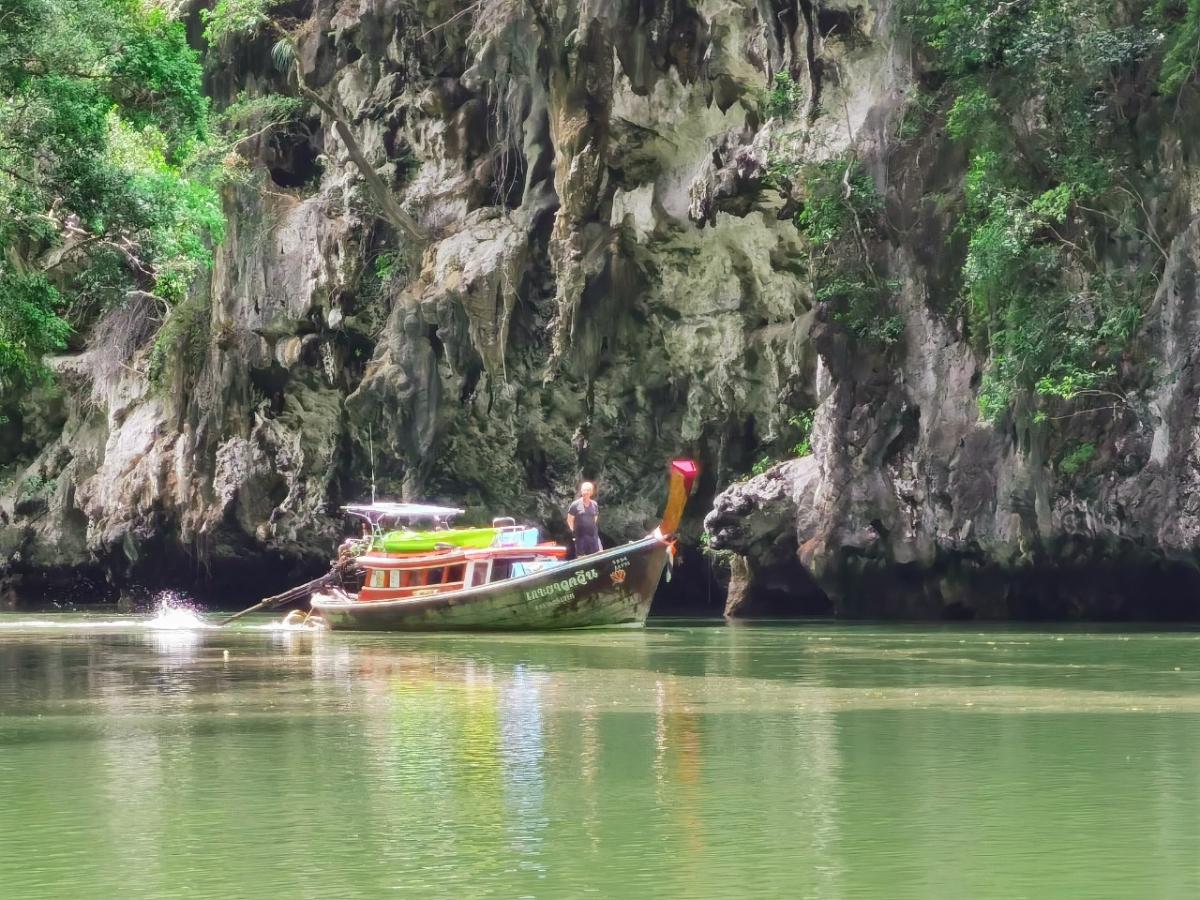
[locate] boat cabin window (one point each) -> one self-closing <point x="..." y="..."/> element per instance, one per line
<point x="501" y="569"/>
<point x="426" y="577"/>
<point x="479" y="573"/>
<point x="446" y="574"/>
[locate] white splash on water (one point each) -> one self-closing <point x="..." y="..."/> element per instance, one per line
<point x="175" y="613"/>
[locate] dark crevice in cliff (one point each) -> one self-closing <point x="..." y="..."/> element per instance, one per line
<point x="782" y="20"/>
<point x="655" y="36"/>
<point x="292" y="156"/>
<point x="812" y="60"/>
<point x="470" y="383"/>
<point x="271" y="382"/>
<point x="696" y="588"/>
<point x="844" y="24"/>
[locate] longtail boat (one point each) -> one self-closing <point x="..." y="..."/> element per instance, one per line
<point x="517" y="582"/>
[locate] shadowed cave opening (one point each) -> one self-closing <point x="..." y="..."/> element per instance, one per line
<point x="298" y="168"/>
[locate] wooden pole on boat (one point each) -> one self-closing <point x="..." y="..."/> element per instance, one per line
<point x="333" y="576"/>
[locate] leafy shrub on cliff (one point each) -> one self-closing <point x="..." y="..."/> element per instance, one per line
<point x="102" y="126"/>
<point x="860" y="302"/>
<point x="803" y="423"/>
<point x="762" y="465"/>
<point x="38" y="486"/>
<point x="801" y="429"/>
<point x="720" y="557"/>
<point x="29" y="323"/>
<point x="1052" y="176"/>
<point x="841" y="211"/>
<point x="781" y="100"/>
<point x="917" y="114"/>
<point x="1079" y="457"/>
<point x="1180" y="19"/>
<point x="231" y="17"/>
<point x="840" y="199"/>
<point x="181" y="342"/>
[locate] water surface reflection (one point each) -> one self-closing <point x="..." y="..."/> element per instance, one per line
<point x="683" y="761"/>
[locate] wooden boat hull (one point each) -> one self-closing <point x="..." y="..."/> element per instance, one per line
<point x="614" y="587"/>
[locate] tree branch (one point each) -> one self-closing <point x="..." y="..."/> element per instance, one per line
<point x="1002" y="10"/>
<point x="392" y="211"/>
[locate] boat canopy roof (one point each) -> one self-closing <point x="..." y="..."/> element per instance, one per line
<point x="373" y="512"/>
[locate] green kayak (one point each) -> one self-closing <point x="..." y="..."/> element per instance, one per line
<point x="424" y="541"/>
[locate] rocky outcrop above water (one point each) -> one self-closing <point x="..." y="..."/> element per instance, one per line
<point x="911" y="506"/>
<point x="603" y="270"/>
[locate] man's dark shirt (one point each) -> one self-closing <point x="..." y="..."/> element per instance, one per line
<point x="586" y="539"/>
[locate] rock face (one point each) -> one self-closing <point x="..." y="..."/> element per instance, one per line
<point x="912" y="506"/>
<point x="607" y="274"/>
<point x="601" y="286"/>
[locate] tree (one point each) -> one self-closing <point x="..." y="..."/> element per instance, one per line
<point x="103" y="124"/>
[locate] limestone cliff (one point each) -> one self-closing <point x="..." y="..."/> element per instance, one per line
<point x="572" y="256"/>
<point x="580" y="302"/>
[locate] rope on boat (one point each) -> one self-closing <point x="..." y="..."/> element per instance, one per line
<point x="671" y="551"/>
<point x="298" y="618"/>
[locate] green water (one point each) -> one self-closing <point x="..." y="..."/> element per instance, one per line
<point x="679" y="761"/>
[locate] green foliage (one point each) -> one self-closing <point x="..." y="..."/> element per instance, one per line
<point x="30" y="325"/>
<point x="996" y="387"/>
<point x="380" y="274"/>
<point x="917" y="114"/>
<point x="832" y="210"/>
<point x="972" y="114"/>
<point x="781" y="168"/>
<point x="283" y="54"/>
<point x="860" y="302"/>
<point x="101" y="130"/>
<point x="38" y="486"/>
<point x="763" y="464"/>
<point x="841" y="210"/>
<point x="181" y="342"/>
<point x="1069" y="384"/>
<point x="154" y="77"/>
<point x="386" y="265"/>
<point x="721" y="557"/>
<point x="406" y="163"/>
<point x="1180" y="19"/>
<point x="246" y="118"/>
<point x="781" y="100"/>
<point x="247" y="114"/>
<point x="803" y="423"/>
<point x="1077" y="459"/>
<point x="1035" y="194"/>
<point x="231" y="17"/>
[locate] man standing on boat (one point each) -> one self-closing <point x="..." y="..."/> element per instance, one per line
<point x="581" y="519"/>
